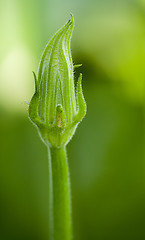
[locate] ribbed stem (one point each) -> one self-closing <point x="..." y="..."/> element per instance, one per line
<point x="60" y="201"/>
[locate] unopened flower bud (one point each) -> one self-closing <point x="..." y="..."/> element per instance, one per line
<point x="56" y="108"/>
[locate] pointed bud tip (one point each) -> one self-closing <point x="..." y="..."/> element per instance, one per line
<point x="71" y="20"/>
<point x="72" y="17"/>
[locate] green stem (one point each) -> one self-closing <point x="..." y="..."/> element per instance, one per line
<point x="60" y="201"/>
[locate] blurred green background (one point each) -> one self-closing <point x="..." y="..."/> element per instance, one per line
<point x="106" y="155"/>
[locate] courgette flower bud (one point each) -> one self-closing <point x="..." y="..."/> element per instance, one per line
<point x="56" y="108"/>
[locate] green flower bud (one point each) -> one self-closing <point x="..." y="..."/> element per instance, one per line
<point x="55" y="108"/>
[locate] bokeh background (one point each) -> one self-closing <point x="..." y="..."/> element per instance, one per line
<point x="106" y="155"/>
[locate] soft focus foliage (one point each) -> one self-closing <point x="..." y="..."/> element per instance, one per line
<point x="107" y="156"/>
